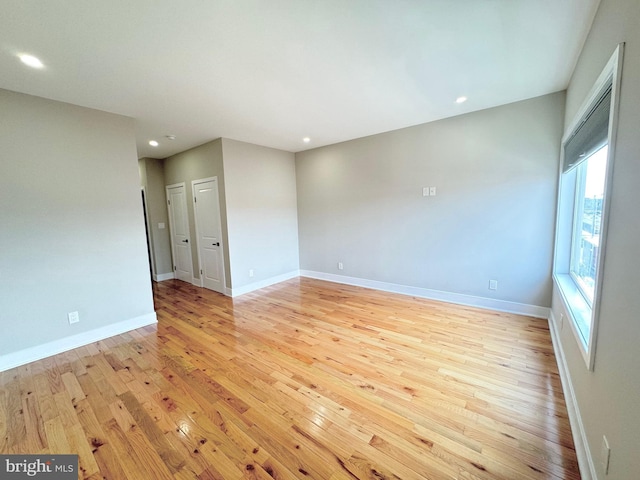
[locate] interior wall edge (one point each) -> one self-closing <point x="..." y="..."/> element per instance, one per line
<point x="31" y="354"/>
<point x="163" y="276"/>
<point x="585" y="458"/>
<point x="235" y="292"/>
<point x="439" y="295"/>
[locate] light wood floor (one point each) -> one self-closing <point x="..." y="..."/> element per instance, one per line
<point x="304" y="379"/>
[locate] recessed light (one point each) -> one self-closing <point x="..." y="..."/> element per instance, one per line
<point x="153" y="143"/>
<point x="171" y="137"/>
<point x="31" y="61"/>
<point x="306" y="139"/>
<point x="461" y="99"/>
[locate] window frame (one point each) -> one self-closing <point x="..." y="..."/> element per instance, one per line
<point x="579" y="310"/>
<point x="578" y="214"/>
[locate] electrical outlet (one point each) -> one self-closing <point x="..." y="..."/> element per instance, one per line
<point x="251" y="272"/>
<point x="432" y="191"/>
<point x="425" y="191"/>
<point x="340" y="266"/>
<point x="605" y="453"/>
<point x="74" y="317"/>
<point x="493" y="284"/>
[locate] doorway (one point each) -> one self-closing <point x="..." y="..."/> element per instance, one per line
<point x="179" y="226"/>
<point x="206" y="207"/>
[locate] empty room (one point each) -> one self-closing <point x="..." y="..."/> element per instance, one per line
<point x="329" y="240"/>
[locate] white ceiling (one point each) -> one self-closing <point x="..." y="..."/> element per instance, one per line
<point x="271" y="72"/>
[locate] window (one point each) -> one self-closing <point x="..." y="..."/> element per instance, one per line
<point x="585" y="241"/>
<point x="587" y="158"/>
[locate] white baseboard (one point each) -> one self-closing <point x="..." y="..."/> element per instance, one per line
<point x="39" y="352"/>
<point x="585" y="459"/>
<point x="459" y="298"/>
<point x="170" y="276"/>
<point x="234" y="292"/>
<point x="164" y="276"/>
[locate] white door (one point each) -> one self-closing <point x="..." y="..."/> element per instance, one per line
<point x="207" y="213"/>
<point x="179" y="225"/>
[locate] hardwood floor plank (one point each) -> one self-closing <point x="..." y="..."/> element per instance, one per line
<point x="303" y="379"/>
<point x="16" y="428"/>
<point x="153" y="433"/>
<point x="87" y="466"/>
<point x="142" y="450"/>
<point x="35" y="433"/>
<point x="56" y="436"/>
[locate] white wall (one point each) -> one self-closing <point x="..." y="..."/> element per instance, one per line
<point x="609" y="397"/>
<point x="71" y="231"/>
<point x="260" y="185"/>
<point x="360" y="203"/>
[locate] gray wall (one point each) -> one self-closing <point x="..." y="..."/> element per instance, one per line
<point x="609" y="397"/>
<point x="200" y="162"/>
<point x="360" y="203"/>
<point x="152" y="179"/>
<point x="260" y="185"/>
<point x="72" y="235"/>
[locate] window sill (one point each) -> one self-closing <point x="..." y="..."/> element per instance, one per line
<point x="578" y="310"/>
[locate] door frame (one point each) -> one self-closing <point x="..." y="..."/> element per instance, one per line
<point x="172" y="229"/>
<point x="195" y="218"/>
